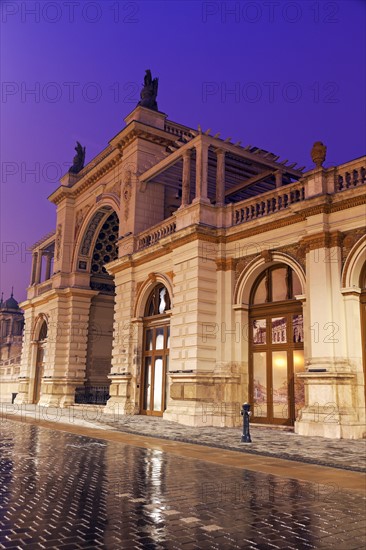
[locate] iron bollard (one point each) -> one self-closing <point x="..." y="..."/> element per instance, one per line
<point x="245" y="412"/>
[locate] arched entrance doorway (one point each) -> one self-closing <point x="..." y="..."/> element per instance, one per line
<point x="40" y="360"/>
<point x="276" y="349"/>
<point x="155" y="359"/>
<point x="363" y="320"/>
<point x="99" y="247"/>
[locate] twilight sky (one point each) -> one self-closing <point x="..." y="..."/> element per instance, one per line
<point x="275" y="74"/>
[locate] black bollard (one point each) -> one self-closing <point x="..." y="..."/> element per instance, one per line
<point x="245" y="412"/>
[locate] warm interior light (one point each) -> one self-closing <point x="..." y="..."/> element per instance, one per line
<point x="298" y="359"/>
<point x="280" y="362"/>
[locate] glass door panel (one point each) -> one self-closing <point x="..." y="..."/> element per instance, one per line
<point x="158" y="384"/>
<point x="260" y="384"/>
<point x="147" y="384"/>
<point x="279" y="330"/>
<point x="149" y="339"/>
<point x="299" y="389"/>
<point x="280" y="385"/>
<point x="259" y="331"/>
<point x="159" y="338"/>
<point x="297" y="328"/>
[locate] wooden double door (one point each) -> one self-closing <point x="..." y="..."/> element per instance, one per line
<point x="39" y="373"/>
<point x="276" y="354"/>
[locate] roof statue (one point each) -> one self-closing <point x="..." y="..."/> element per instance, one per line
<point x="149" y="92"/>
<point x="318" y="153"/>
<point x="79" y="159"/>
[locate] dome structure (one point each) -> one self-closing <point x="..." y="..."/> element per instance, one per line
<point x="10" y="303"/>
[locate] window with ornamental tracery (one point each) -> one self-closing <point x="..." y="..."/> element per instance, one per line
<point x="106" y="249"/>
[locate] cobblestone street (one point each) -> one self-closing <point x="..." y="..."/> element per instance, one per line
<point x="273" y="442"/>
<point x="64" y="490"/>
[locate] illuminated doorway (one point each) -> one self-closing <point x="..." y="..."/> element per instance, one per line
<point x="40" y="359"/>
<point x="276" y="347"/>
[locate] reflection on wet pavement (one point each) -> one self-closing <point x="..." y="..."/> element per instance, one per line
<point x="61" y="490"/>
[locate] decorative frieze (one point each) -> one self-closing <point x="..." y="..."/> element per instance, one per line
<point x="226" y="264"/>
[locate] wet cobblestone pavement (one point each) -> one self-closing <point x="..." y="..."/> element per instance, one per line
<point x="67" y="491"/>
<point x="346" y="454"/>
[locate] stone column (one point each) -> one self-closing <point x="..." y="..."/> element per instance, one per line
<point x="25" y="388"/>
<point x="34" y="267"/>
<point x="186" y="177"/>
<point x="201" y="172"/>
<point x="38" y="267"/>
<point x="127" y="344"/>
<point x="220" y="177"/>
<point x="67" y="337"/>
<point x="279" y="175"/>
<point x="194" y="334"/>
<point x="330" y="381"/>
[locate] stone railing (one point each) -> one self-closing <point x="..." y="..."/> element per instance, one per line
<point x="179" y="131"/>
<point x="10" y="369"/>
<point x="11" y="339"/>
<point x="154" y="234"/>
<point x="268" y="203"/>
<point x="352" y="174"/>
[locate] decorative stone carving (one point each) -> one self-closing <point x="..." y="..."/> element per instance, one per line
<point x="58" y="242"/>
<point x="225" y="264"/>
<point x="116" y="189"/>
<point x="90" y="232"/>
<point x="267" y="256"/>
<point x="152" y="277"/>
<point x="349" y="240"/>
<point x="79" y="218"/>
<point x="297" y="252"/>
<point x="318" y="153"/>
<point x="127" y="192"/>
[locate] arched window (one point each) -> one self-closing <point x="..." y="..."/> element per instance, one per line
<point x="158" y="302"/>
<point x="43" y="332"/>
<point x="276" y="284"/>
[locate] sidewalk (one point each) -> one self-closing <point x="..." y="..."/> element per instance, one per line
<point x="345" y="454"/>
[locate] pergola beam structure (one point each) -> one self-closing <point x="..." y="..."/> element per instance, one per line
<point x="246" y="183"/>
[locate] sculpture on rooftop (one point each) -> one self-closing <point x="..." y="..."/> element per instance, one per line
<point x="149" y="92"/>
<point x="79" y="159"/>
<point x="318" y="153"/>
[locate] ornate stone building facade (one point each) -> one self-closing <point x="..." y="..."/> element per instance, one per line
<point x="11" y="330"/>
<point x="187" y="275"/>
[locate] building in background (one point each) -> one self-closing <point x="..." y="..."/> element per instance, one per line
<point x="187" y="274"/>
<point x="11" y="330"/>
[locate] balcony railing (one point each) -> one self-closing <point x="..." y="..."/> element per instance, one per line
<point x="154" y="234"/>
<point x="268" y="203"/>
<point x="350" y="175"/>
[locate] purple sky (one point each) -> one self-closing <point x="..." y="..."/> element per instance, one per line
<point x="275" y="74"/>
